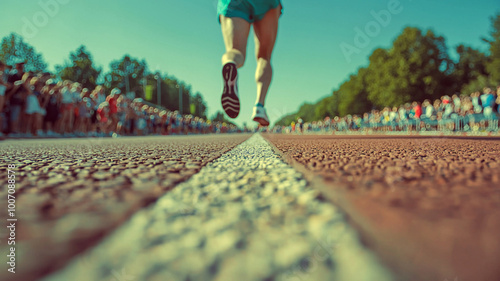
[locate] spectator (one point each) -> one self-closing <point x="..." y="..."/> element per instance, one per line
<point x="3" y="89"/>
<point x="96" y="98"/>
<point x="51" y="103"/>
<point x="112" y="101"/>
<point x="46" y="108"/>
<point x="300" y="123"/>
<point x="17" y="100"/>
<point x="67" y="108"/>
<point x="81" y="114"/>
<point x="457" y="102"/>
<point x="17" y="73"/>
<point x="476" y="102"/>
<point x="497" y="104"/>
<point x="488" y="101"/>
<point x="33" y="109"/>
<point x="103" y="118"/>
<point x="404" y="115"/>
<point x="141" y="122"/>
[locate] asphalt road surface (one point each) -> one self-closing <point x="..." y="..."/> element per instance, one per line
<point x="242" y="207"/>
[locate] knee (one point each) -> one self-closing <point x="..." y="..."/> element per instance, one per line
<point x="239" y="56"/>
<point x="264" y="62"/>
<point x="263" y="55"/>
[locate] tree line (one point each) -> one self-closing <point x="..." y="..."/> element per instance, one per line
<point x="416" y="67"/>
<point x="129" y="74"/>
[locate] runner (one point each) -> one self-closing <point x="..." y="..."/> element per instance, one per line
<point x="236" y="17"/>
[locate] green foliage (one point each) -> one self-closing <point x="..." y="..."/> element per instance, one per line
<point x="415" y="68"/>
<point x="307" y="112"/>
<point x="199" y="105"/>
<point x="173" y="86"/>
<point x="14" y="50"/>
<point x="127" y="68"/>
<point x="170" y="95"/>
<point x="471" y="65"/>
<point x="353" y="95"/>
<point x="493" y="66"/>
<point x="478" y="85"/>
<point x="326" y="107"/>
<point x="286" y="120"/>
<point x="81" y="69"/>
<point x="310" y="112"/>
<point x="220" y="117"/>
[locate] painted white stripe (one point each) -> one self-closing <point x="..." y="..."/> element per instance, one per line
<point x="272" y="211"/>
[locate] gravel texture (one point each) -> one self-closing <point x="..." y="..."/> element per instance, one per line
<point x="438" y="196"/>
<point x="435" y="177"/>
<point x="72" y="192"/>
<point x="245" y="216"/>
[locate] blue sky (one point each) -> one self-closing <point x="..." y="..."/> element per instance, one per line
<point x="182" y="38"/>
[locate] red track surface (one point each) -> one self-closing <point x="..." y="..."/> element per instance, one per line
<point x="71" y="193"/>
<point x="429" y="206"/>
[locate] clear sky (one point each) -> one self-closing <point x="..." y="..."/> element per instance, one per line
<point x="182" y="38"/>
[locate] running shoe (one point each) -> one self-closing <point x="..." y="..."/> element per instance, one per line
<point x="259" y="115"/>
<point x="230" y="100"/>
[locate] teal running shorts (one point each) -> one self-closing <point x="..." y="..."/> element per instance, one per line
<point x="249" y="10"/>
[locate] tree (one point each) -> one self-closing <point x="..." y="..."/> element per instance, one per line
<point x="81" y="69"/>
<point x="14" y="50"/>
<point x="328" y="107"/>
<point x="306" y="112"/>
<point x="173" y="86"/>
<point x="477" y="84"/>
<point x="415" y="68"/>
<point x="220" y="117"/>
<point x="493" y="65"/>
<point x="199" y="106"/>
<point x="286" y="120"/>
<point x="471" y="65"/>
<point x="126" y="74"/>
<point x="169" y="87"/>
<point x="353" y="95"/>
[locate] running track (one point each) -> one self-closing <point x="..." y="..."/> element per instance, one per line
<point x="261" y="207"/>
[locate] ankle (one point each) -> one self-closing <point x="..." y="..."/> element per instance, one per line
<point x="259" y="104"/>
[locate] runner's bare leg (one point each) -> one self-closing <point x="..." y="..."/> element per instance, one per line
<point x="266" y="31"/>
<point x="235" y="32"/>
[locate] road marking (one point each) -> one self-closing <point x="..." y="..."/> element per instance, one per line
<point x="246" y="216"/>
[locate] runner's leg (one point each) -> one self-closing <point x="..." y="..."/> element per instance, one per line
<point x="235" y="32"/>
<point x="266" y="31"/>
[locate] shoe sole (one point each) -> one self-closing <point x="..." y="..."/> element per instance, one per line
<point x="263" y="122"/>
<point x="229" y="100"/>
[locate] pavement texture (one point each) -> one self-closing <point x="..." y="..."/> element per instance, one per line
<point x="429" y="206"/>
<point x="245" y="216"/>
<point x="70" y="193"/>
<point x="231" y="207"/>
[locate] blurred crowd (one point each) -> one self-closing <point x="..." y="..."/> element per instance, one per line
<point x="478" y="112"/>
<point x="38" y="105"/>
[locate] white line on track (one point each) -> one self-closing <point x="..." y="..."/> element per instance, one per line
<point x="245" y="216"/>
